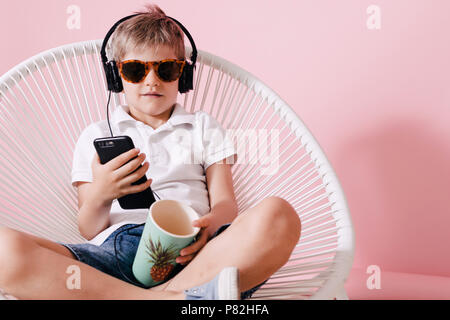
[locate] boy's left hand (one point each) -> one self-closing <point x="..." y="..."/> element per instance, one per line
<point x="188" y="253"/>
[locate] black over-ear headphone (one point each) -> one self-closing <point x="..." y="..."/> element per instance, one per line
<point x="113" y="79"/>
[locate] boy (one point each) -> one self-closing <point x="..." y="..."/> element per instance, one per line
<point x="255" y="244"/>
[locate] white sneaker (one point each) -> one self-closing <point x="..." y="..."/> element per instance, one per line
<point x="225" y="286"/>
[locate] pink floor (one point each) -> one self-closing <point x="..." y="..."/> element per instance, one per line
<point x="398" y="286"/>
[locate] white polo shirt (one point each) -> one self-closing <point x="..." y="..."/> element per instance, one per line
<point x="179" y="152"/>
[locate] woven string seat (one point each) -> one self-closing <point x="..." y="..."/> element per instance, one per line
<point x="46" y="101"/>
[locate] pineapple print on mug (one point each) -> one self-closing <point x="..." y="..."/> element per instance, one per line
<point x="168" y="229"/>
<point x="163" y="259"/>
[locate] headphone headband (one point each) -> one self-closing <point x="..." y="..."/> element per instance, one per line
<point x="186" y="32"/>
<point x="108" y="35"/>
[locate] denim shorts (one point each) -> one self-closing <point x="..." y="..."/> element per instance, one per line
<point x="103" y="257"/>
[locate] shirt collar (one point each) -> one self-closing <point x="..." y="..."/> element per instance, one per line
<point x="179" y="116"/>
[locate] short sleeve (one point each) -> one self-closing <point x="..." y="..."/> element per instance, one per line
<point x="83" y="155"/>
<point x="217" y="142"/>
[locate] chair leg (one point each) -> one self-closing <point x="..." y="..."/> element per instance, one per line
<point x="341" y="294"/>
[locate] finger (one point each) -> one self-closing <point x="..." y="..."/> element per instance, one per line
<point x="203" y="222"/>
<point x="134" y="175"/>
<point x="196" y="246"/>
<point x="123" y="158"/>
<point x="130" y="166"/>
<point x="137" y="188"/>
<point x="184" y="260"/>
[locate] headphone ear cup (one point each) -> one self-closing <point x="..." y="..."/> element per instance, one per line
<point x="113" y="78"/>
<point x="186" y="81"/>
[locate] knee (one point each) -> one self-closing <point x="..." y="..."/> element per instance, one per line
<point x="13" y="251"/>
<point x="11" y="240"/>
<point x="281" y="218"/>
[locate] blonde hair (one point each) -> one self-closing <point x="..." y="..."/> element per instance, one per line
<point x="151" y="28"/>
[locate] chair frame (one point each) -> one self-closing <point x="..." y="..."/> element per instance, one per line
<point x="329" y="282"/>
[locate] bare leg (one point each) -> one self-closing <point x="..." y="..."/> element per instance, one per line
<point x="35" y="268"/>
<point x="258" y="243"/>
<point x="45" y="243"/>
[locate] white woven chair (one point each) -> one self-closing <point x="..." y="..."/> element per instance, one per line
<point x="46" y="101"/>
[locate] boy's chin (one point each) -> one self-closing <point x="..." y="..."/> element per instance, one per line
<point x="152" y="109"/>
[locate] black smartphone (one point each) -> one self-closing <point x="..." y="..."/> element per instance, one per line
<point x="109" y="148"/>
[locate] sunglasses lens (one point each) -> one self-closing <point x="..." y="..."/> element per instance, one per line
<point x="133" y="71"/>
<point x="169" y="70"/>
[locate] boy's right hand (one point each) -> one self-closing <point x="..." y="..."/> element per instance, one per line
<point x="113" y="179"/>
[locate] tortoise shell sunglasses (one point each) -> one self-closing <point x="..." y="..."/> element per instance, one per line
<point x="167" y="70"/>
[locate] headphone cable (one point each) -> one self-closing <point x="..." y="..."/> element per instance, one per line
<point x="107" y="115"/>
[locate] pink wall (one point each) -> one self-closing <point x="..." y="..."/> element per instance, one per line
<point x="378" y="101"/>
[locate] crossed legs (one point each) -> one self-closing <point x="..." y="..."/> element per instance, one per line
<point x="258" y="242"/>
